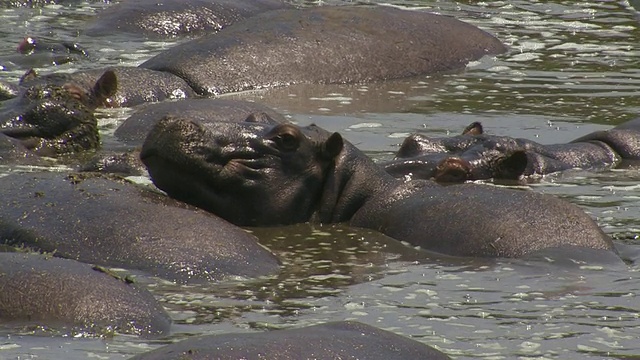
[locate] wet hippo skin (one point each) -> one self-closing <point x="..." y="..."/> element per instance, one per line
<point x="108" y="221"/>
<point x="54" y="119"/>
<point x="263" y="175"/>
<point x="135" y="129"/>
<point x="329" y="44"/>
<point x="135" y="86"/>
<point x="336" y="340"/>
<point x="70" y="296"/>
<point x="475" y="155"/>
<point x="176" y="17"/>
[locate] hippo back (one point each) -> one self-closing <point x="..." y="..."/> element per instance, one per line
<point x="108" y="221"/>
<point x="337" y="340"/>
<point x="325" y="45"/>
<point x="479" y="220"/>
<point x="176" y="17"/>
<point x="64" y="294"/>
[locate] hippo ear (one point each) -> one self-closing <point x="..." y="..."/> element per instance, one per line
<point x="332" y="147"/>
<point x="452" y="170"/>
<point x="475" y="128"/>
<point x="28" y="76"/>
<point x="105" y="87"/>
<point x="512" y="166"/>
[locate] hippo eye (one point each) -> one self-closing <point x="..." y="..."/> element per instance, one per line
<point x="287" y="141"/>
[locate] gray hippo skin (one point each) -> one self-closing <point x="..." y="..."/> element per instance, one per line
<point x="261" y="175"/>
<point x="134" y="130"/>
<point x="12" y="151"/>
<point x="330" y="341"/>
<point x="8" y="90"/>
<point x="135" y="86"/>
<point x="331" y="44"/>
<point x="70" y="296"/>
<point x="176" y="17"/>
<point x="474" y="155"/>
<point x="36" y="52"/>
<point x="55" y="119"/>
<point x="108" y="221"/>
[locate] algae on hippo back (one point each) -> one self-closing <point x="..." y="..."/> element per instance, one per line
<point x="264" y="175"/>
<point x="52" y="119"/>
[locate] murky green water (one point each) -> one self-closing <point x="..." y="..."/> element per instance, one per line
<point x="572" y="69"/>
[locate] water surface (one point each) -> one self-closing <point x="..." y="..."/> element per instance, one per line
<point x="572" y="69"/>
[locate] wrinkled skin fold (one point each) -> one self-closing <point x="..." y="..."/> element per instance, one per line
<point x="263" y="175"/>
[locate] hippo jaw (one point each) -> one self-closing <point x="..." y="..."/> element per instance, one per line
<point x="247" y="173"/>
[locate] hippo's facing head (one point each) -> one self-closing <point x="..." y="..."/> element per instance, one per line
<point x="248" y="173"/>
<point x="52" y="119"/>
<point x="469" y="156"/>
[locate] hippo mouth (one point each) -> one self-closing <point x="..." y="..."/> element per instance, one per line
<point x="249" y="169"/>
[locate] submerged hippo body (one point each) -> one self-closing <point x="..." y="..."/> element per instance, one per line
<point x="135" y="129"/>
<point x="474" y="155"/>
<point x="260" y="175"/>
<point x="176" y="17"/>
<point x="325" y="45"/>
<point x="337" y="340"/>
<point x="107" y="221"/>
<point x="135" y="85"/>
<point x="12" y="151"/>
<point x="66" y="295"/>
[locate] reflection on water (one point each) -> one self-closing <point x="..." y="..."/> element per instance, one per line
<point x="571" y="69"/>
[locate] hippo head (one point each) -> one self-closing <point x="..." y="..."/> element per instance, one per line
<point x="52" y="119"/>
<point x="469" y="156"/>
<point x="252" y="174"/>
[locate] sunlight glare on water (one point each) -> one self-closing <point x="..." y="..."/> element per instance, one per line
<point x="571" y="69"/>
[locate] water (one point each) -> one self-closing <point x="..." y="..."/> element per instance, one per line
<point x="572" y="69"/>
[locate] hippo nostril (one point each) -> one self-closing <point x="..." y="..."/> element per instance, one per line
<point x="453" y="170"/>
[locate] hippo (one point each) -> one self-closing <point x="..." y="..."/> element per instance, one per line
<point x="475" y="155"/>
<point x="70" y="297"/>
<point x="262" y="175"/>
<point x="108" y="221"/>
<point x="134" y="130"/>
<point x="41" y="51"/>
<point x="135" y="85"/>
<point x="171" y="18"/>
<point x="325" y="45"/>
<point x="51" y="119"/>
<point x="334" y="340"/>
<point x="54" y="114"/>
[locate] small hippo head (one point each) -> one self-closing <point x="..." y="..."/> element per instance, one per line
<point x="252" y="174"/>
<point x="470" y="156"/>
<point x="52" y="119"/>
